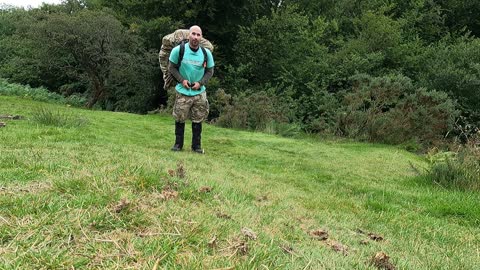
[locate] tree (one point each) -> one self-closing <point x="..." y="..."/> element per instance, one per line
<point x="88" y="45"/>
<point x="17" y="49"/>
<point x="279" y="48"/>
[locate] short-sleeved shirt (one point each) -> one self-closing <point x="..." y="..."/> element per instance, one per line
<point x="191" y="68"/>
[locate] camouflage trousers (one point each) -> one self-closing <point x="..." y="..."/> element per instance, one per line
<point x="194" y="107"/>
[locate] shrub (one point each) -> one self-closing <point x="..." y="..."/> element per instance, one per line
<point x="248" y="111"/>
<point x="219" y="101"/>
<point x="317" y="111"/>
<point x="390" y="109"/>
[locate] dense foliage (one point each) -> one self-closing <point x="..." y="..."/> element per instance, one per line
<point x="378" y="70"/>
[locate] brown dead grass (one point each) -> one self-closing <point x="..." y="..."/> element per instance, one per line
<point x="120" y="206"/>
<point x="248" y="233"/>
<point x="205" y="189"/>
<point x="337" y="246"/>
<point x="382" y="261"/>
<point x="319" y="234"/>
<point x="33" y="187"/>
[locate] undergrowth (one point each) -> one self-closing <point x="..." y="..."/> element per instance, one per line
<point x="39" y="94"/>
<point x="458" y="170"/>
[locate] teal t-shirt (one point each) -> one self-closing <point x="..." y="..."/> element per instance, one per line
<point x="191" y="68"/>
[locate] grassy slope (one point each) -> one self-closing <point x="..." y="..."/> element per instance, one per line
<point x="59" y="188"/>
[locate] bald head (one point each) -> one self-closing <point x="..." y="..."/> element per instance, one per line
<point x="195" y="36"/>
<point x="196" y="28"/>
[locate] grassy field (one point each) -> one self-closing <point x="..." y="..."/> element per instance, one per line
<point x="84" y="189"/>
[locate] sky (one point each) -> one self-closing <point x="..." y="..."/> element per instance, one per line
<point x="26" y="3"/>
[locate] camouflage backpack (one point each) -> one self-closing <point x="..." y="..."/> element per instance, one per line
<point x="179" y="37"/>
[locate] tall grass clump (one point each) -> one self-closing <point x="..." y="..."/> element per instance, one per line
<point x="39" y="94"/>
<point x="459" y="170"/>
<point x="58" y="119"/>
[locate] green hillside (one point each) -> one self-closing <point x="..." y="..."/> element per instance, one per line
<point x="82" y="189"/>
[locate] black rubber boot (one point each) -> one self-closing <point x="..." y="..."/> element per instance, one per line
<point x="179" y="132"/>
<point x="197" y="138"/>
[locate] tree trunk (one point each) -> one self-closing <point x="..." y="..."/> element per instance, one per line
<point x="98" y="92"/>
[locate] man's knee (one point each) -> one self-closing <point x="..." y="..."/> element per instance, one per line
<point x="200" y="109"/>
<point x="200" y="113"/>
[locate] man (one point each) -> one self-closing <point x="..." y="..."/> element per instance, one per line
<point x="192" y="74"/>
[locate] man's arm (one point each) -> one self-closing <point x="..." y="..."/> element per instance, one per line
<point x="208" y="74"/>
<point x="173" y="69"/>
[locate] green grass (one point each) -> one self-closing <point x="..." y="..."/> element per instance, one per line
<point x="62" y="186"/>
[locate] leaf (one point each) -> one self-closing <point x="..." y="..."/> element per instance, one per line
<point x="249" y="233"/>
<point x="213" y="242"/>
<point x="338" y="247"/>
<point x="205" y="189"/>
<point x="124" y="203"/>
<point x="382" y="261"/>
<point x="319" y="234"/>
<point x="375" y="237"/>
<point x="168" y="194"/>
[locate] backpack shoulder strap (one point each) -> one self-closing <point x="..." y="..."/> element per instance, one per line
<point x="182" y="52"/>
<point x="205" y="57"/>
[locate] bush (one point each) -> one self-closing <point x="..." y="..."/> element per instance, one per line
<point x="218" y="102"/>
<point x="390" y="109"/>
<point x="248" y="111"/>
<point x="317" y="111"/>
<point x="459" y="170"/>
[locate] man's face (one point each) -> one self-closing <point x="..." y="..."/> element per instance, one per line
<point x="195" y="36"/>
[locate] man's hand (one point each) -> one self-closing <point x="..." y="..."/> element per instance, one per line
<point x="186" y="84"/>
<point x="195" y="85"/>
